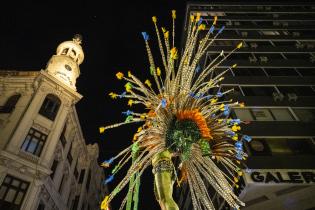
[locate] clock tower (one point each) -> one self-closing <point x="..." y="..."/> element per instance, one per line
<point x="65" y="64"/>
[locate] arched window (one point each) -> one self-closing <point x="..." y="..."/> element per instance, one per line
<point x="10" y="104"/>
<point x="50" y="107"/>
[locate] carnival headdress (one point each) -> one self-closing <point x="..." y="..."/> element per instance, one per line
<point x="186" y="116"/>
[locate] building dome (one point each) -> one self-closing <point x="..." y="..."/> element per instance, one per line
<point x="72" y="49"/>
<point x="65" y="64"/>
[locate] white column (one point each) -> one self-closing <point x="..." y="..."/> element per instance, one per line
<point x="31" y="200"/>
<point x="54" y="135"/>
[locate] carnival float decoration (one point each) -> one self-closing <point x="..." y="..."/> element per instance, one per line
<point x="186" y="132"/>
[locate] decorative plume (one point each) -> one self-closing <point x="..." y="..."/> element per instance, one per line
<point x="185" y="115"/>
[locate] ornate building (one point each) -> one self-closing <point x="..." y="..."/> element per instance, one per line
<point x="44" y="161"/>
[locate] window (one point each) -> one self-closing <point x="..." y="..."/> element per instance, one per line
<point x="53" y="168"/>
<point x="298" y="90"/>
<point x="263" y="114"/>
<point x="50" y="107"/>
<point x="34" y="142"/>
<point x="281" y="146"/>
<point x="307" y="72"/>
<point x="243" y="114"/>
<point x="10" y="104"/>
<point x="258" y="90"/>
<point x="286" y="72"/>
<point x="12" y="193"/>
<point x="282" y="114"/>
<point x="249" y="72"/>
<point x="305" y="115"/>
<point x="81" y="176"/>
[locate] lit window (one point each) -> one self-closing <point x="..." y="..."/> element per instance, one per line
<point x="34" y="142"/>
<point x="262" y="114"/>
<point x="270" y="33"/>
<point x="282" y="114"/>
<point x="243" y="114"/>
<point x="12" y="192"/>
<point x="50" y="107"/>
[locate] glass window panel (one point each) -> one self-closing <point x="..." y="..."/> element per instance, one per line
<point x="258" y="90"/>
<point x="249" y="72"/>
<point x="16" y="183"/>
<point x="298" y="90"/>
<point x="281" y="72"/>
<point x="243" y="114"/>
<point x="262" y="114"/>
<point x="19" y="198"/>
<point x="307" y="71"/>
<point x="301" y="146"/>
<point x="305" y="115"/>
<point x="7" y="179"/>
<point x="2" y="191"/>
<point x="279" y="146"/>
<point x="31" y="148"/>
<point x="39" y="148"/>
<point x="282" y="114"/>
<point x="27" y="139"/>
<point x="10" y="195"/>
<point x="23" y="186"/>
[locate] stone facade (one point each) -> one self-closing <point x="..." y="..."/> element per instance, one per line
<point x="44" y="161"/>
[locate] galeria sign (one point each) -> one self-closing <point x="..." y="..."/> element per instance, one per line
<point x="280" y="176"/>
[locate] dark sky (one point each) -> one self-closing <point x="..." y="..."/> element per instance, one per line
<point x="112" y="42"/>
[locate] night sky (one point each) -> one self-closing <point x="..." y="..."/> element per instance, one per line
<point x="112" y="42"/>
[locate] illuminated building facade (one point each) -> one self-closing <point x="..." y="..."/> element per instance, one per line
<point x="275" y="78"/>
<point x="44" y="160"/>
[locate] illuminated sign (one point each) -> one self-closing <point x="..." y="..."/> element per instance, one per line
<point x="281" y="176"/>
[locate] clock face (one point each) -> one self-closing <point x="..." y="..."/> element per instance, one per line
<point x="68" y="67"/>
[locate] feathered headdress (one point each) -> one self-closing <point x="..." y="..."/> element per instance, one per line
<point x="185" y="115"/>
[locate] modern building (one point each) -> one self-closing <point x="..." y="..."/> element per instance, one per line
<point x="275" y="78"/>
<point x="45" y="163"/>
